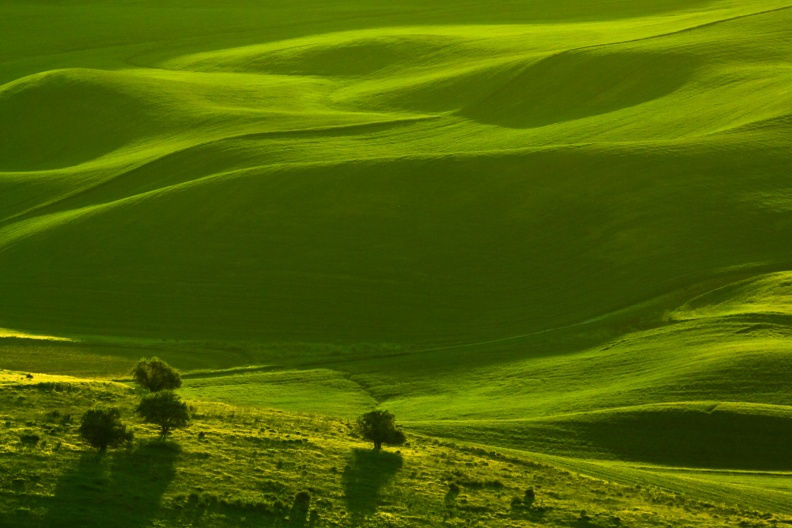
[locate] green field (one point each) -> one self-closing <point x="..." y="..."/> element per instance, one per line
<point x="558" y="231"/>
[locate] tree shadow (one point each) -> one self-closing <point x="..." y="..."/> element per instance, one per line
<point x="451" y="496"/>
<point x="121" y="489"/>
<point x="299" y="513"/>
<point x="298" y="518"/>
<point x="364" y="477"/>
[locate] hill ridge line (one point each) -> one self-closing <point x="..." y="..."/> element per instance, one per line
<point x="683" y="30"/>
<point x="29" y="213"/>
<point x="515" y="151"/>
<point x="561" y="53"/>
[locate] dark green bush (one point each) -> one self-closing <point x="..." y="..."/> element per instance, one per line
<point x="164" y="409"/>
<point x="530" y="497"/>
<point x="102" y="428"/>
<point x="29" y="439"/>
<point x="302" y="500"/>
<point x="156" y="375"/>
<point x="380" y="428"/>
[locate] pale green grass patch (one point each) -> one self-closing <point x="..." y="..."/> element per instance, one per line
<point x="314" y="391"/>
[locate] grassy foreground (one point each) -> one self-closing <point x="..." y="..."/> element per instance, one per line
<point x="250" y="463"/>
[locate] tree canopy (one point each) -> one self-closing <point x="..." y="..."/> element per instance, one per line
<point x="155" y="375"/>
<point x="102" y="428"/>
<point x="165" y="409"/>
<point x="380" y="428"/>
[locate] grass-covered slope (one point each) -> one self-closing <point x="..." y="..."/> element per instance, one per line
<point x="249" y="465"/>
<point x="551" y="227"/>
<point x="411" y="183"/>
<point x="749" y="437"/>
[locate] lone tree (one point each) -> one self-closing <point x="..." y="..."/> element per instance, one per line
<point x="380" y="427"/>
<point x="164" y="409"/>
<point x="102" y="428"/>
<point x="155" y="375"/>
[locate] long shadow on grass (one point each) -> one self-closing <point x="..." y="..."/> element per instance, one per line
<point x="365" y="476"/>
<point x="698" y="437"/>
<point x="122" y="489"/>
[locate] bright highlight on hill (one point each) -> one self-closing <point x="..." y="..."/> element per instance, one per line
<point x="561" y="228"/>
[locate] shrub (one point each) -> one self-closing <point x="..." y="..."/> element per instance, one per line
<point x="102" y="428"/>
<point x="164" y="409"/>
<point x="155" y="375"/>
<point x="30" y="439"/>
<point x="380" y="428"/>
<point x="302" y="500"/>
<point x="530" y="497"/>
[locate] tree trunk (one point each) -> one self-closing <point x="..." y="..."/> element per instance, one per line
<point x="377" y="446"/>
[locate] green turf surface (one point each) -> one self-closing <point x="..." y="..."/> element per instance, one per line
<point x="554" y="227"/>
<point x="409" y="183"/>
<point x="324" y="391"/>
<point x="247" y="467"/>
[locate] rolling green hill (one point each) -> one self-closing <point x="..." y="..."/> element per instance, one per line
<point x="552" y="227"/>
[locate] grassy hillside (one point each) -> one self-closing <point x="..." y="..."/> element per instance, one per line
<point x="404" y="184"/>
<point x="558" y="230"/>
<point x="250" y="464"/>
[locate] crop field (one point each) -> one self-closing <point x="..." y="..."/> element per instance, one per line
<point x="554" y="238"/>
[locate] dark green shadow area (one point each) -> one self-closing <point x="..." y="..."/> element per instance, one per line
<point x="122" y="489"/>
<point x="722" y="438"/>
<point x="300" y="517"/>
<point x="365" y="476"/>
<point x="562" y="88"/>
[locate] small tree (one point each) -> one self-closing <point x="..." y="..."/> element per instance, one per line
<point x="164" y="409"/>
<point x="155" y="375"/>
<point x="380" y="427"/>
<point x="102" y="428"/>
